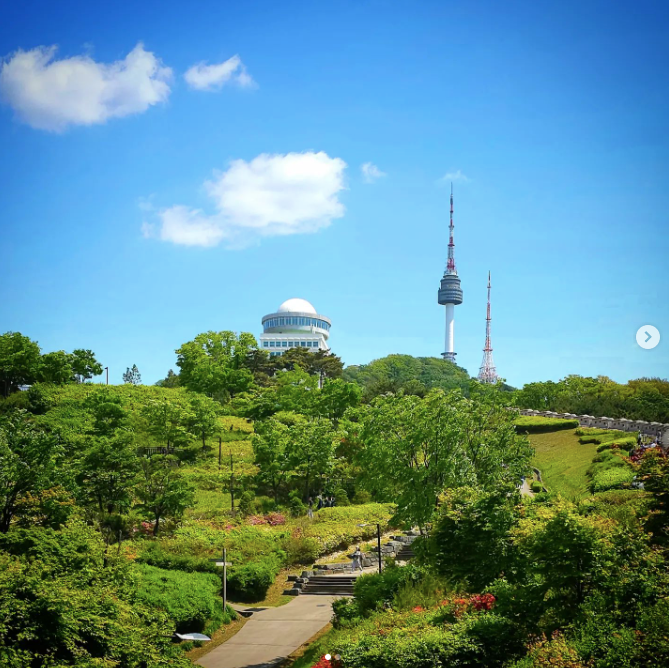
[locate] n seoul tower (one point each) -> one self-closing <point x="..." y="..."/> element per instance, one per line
<point x="450" y="292"/>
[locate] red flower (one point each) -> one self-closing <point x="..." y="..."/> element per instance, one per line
<point x="419" y="608"/>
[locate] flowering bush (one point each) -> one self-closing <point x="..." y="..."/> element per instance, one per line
<point x="482" y="601"/>
<point x="327" y="663"/>
<point x="419" y="608"/>
<point x="255" y="520"/>
<point x="275" y="519"/>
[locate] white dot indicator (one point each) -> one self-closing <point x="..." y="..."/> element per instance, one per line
<point x="648" y="337"/>
<point x="327" y="657"/>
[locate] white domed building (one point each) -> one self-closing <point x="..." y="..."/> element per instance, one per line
<point x="296" y="324"/>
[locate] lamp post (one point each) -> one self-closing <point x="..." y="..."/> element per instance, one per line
<point x="107" y="370"/>
<point x="225" y="565"/>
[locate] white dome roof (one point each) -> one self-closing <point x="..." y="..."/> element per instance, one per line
<point x="296" y="305"/>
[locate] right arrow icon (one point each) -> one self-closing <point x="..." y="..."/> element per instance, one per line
<point x="647" y="337"/>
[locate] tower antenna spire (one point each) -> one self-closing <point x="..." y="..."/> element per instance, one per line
<point x="487" y="372"/>
<point x="450" y="292"/>
<point x="450" y="264"/>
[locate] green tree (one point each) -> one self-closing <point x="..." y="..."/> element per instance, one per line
<point x="270" y="446"/>
<point x="132" y="375"/>
<point x="107" y="474"/>
<point x="162" y="490"/>
<point x="19" y="361"/>
<point x="171" y="380"/>
<point x="213" y="363"/>
<point x="56" y="368"/>
<point x="311" y="450"/>
<point x="470" y="540"/>
<point x="27" y="464"/>
<point x="107" y="410"/>
<point x="84" y="364"/>
<point x="336" y="397"/>
<point x="415" y="448"/>
<point x="203" y="419"/>
<point x="168" y="422"/>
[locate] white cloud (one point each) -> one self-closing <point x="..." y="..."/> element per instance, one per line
<point x="371" y="172"/>
<point x="454" y="176"/>
<point x="52" y="94"/>
<point x="214" y="77"/>
<point x="271" y="195"/>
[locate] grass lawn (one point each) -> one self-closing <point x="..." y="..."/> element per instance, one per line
<point x="563" y="462"/>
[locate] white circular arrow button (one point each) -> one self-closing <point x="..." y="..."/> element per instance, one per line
<point x="648" y="337"/>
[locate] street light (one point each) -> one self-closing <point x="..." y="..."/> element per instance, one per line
<point x="378" y="539"/>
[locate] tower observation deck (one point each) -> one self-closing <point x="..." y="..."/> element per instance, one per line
<point x="450" y="292"/>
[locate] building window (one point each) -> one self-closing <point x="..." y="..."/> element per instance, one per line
<point x="266" y="344"/>
<point x="284" y="344"/>
<point x="304" y="344"/>
<point x="271" y="344"/>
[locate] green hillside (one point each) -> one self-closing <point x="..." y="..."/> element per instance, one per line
<point x="414" y="375"/>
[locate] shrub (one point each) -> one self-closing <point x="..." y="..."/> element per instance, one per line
<point x="154" y="555"/>
<point x="536" y="487"/>
<point x="264" y="504"/>
<point x="341" y="497"/>
<point x="530" y="424"/>
<point x="297" y="506"/>
<point x="361" y="496"/>
<point x="556" y="652"/>
<point x="275" y="519"/>
<point x="300" y="550"/>
<point x="189" y="599"/>
<point x="247" y="504"/>
<point x="346" y="612"/>
<point x="611" y="478"/>
<point x="251" y="581"/>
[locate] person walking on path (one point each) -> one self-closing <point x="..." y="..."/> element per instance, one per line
<point x="310" y="511"/>
<point x="357" y="560"/>
<point x="319" y="505"/>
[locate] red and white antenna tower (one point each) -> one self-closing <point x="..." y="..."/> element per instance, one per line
<point x="487" y="372"/>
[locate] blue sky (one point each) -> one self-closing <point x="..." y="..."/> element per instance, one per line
<point x="137" y="209"/>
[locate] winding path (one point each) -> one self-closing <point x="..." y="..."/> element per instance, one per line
<point x="270" y="635"/>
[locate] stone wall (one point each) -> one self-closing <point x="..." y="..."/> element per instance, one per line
<point x="656" y="430"/>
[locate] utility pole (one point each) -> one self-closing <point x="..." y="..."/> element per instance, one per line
<point x="220" y="444"/>
<point x="378" y="543"/>
<point x="107" y="370"/>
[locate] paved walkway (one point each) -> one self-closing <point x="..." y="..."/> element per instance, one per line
<point x="272" y="634"/>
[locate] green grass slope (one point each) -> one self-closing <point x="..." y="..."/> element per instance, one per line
<point x="563" y="462"/>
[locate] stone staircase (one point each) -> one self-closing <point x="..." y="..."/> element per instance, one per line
<point x="333" y="585"/>
<point x="336" y="579"/>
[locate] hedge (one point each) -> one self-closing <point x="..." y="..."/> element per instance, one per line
<point x="251" y="581"/>
<point x="530" y="424"/>
<point x="611" y="478"/>
<point x="191" y="600"/>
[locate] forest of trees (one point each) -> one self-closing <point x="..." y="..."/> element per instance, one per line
<point x="640" y="399"/>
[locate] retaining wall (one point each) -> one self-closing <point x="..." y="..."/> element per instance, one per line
<point x="656" y="430"/>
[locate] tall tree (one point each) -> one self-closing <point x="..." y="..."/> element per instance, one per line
<point x="311" y="450"/>
<point x="56" y="368"/>
<point x="132" y="376"/>
<point x="271" y="443"/>
<point x="168" y="422"/>
<point x="107" y="411"/>
<point x="19" y="361"/>
<point x="171" y="380"/>
<point x="107" y="474"/>
<point x="27" y="464"/>
<point x="162" y="490"/>
<point x="84" y="364"/>
<point x="213" y="363"/>
<point x="203" y="419"/>
<point x="415" y="448"/>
